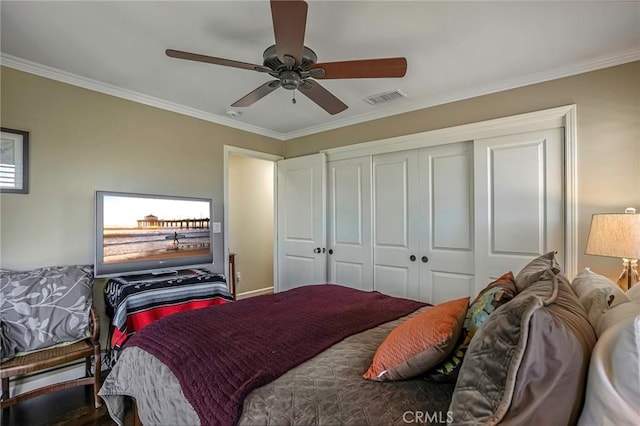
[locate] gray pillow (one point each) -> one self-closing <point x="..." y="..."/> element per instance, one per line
<point x="527" y="365"/>
<point x="44" y="307"/>
<point x="534" y="270"/>
<point x="487" y="377"/>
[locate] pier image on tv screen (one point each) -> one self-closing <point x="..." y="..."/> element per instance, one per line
<point x="138" y="229"/>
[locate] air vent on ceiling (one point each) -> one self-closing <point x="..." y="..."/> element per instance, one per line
<point x="385" y="97"/>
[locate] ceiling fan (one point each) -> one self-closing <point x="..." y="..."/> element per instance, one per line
<point x="294" y="66"/>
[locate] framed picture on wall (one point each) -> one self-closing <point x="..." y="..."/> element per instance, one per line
<point x="14" y="161"/>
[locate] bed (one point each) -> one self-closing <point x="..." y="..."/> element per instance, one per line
<point x="524" y="358"/>
<point x="295" y="357"/>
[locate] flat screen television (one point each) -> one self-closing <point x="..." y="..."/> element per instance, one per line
<point x="144" y="233"/>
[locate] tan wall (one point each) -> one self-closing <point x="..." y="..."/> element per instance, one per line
<point x="251" y="195"/>
<point x="82" y="141"/>
<point x="608" y="109"/>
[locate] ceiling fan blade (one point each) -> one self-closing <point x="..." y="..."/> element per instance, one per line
<point x="289" y="23"/>
<point x="322" y="97"/>
<point x="257" y="94"/>
<point x="365" y="68"/>
<point x="213" y="60"/>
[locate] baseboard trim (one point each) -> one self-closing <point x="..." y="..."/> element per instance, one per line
<point x="252" y="293"/>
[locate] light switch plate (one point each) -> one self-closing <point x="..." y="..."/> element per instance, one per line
<point x="216" y="227"/>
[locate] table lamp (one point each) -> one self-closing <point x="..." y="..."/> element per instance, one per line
<point x="617" y="235"/>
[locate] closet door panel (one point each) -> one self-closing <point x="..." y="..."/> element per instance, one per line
<point x="517" y="194"/>
<point x="349" y="219"/>
<point x="446" y="222"/>
<point x="450" y="203"/>
<point x="449" y="286"/>
<point x="395" y="224"/>
<point x="394" y="280"/>
<point x="350" y="274"/>
<point x="519" y="201"/>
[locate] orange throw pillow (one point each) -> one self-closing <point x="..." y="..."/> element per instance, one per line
<point x="420" y="343"/>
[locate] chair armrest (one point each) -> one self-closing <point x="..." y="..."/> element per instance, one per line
<point x="94" y="322"/>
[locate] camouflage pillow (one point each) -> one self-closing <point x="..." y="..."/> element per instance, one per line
<point x="44" y="307"/>
<point x="488" y="300"/>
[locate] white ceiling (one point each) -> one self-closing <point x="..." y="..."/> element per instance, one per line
<point x="454" y="50"/>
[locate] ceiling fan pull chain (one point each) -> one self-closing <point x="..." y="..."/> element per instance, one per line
<point x="294" y="97"/>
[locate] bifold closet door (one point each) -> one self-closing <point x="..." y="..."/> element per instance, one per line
<point x="349" y="253"/>
<point x="446" y="224"/>
<point x="423" y="223"/>
<point x="396" y="243"/>
<point x="301" y="222"/>
<point x="519" y="201"/>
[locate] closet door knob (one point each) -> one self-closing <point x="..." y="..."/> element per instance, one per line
<point x="412" y="258"/>
<point x="425" y="259"/>
<point x="330" y="251"/>
<point x="317" y="250"/>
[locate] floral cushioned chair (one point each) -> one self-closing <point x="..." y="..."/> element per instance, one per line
<point x="47" y="320"/>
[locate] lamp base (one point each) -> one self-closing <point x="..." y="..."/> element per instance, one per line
<point x="629" y="275"/>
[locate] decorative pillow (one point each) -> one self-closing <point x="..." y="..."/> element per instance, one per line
<point x="634" y="292"/>
<point x="488" y="300"/>
<point x="527" y="364"/>
<point x="615" y="315"/>
<point x="596" y="303"/>
<point x="44" y="307"/>
<point x="419" y="343"/>
<point x="566" y="307"/>
<point x="613" y="389"/>
<point x="534" y="270"/>
<point x="587" y="280"/>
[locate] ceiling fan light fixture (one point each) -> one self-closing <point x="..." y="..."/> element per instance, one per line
<point x="290" y="80"/>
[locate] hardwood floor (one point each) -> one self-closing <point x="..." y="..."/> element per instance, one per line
<point x="68" y="407"/>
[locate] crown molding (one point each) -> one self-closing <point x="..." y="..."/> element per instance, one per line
<point x="109" y="89"/>
<point x="407" y="106"/>
<point x="413" y="105"/>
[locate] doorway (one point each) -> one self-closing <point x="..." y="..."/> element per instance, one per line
<point x="249" y="224"/>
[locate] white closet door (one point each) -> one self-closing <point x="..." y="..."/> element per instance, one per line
<point x="349" y="223"/>
<point x="395" y="224"/>
<point x="446" y="222"/>
<point x="301" y="221"/>
<point x="519" y="204"/>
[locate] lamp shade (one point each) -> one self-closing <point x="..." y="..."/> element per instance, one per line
<point x="615" y="235"/>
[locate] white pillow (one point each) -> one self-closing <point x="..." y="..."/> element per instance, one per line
<point x="634" y="292"/>
<point x="615" y="315"/>
<point x="587" y="280"/>
<point x="613" y="384"/>
<point x="597" y="304"/>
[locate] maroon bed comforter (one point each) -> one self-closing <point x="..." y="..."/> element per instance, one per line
<point x="221" y="354"/>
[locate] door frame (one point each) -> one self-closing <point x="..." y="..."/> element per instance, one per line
<point x="562" y="116"/>
<point x="227" y="150"/>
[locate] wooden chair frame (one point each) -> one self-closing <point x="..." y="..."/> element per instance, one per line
<point x="54" y="357"/>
